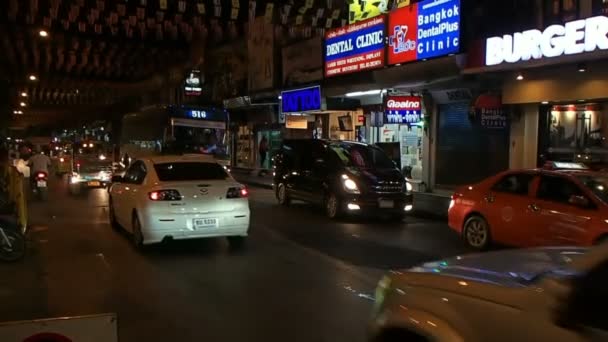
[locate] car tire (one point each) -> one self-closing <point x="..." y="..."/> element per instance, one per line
<point x="136" y="234"/>
<point x="476" y="233"/>
<point x="112" y="215"/>
<point x="601" y="240"/>
<point x="332" y="206"/>
<point x="236" y="242"/>
<point x="282" y="196"/>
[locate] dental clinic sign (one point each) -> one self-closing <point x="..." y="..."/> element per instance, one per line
<point x="572" y="38"/>
<point x="403" y="109"/>
<point x="355" y="47"/>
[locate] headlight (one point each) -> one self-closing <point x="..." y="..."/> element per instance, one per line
<point x="75" y="178"/>
<point x="102" y="157"/>
<point x="408" y="187"/>
<point x="349" y="185"/>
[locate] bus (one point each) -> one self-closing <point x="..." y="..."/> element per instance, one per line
<point x="172" y="129"/>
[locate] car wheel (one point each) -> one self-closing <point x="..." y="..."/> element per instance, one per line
<point x="332" y="206"/>
<point x="476" y="233"/>
<point x="282" y="195"/>
<point x="601" y="240"/>
<point x="236" y="242"/>
<point x="112" y="215"/>
<point x="138" y="236"/>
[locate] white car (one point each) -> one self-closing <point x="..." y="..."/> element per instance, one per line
<point x="179" y="197"/>
<point x="544" y="294"/>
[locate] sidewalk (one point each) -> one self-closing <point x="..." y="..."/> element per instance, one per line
<point x="434" y="205"/>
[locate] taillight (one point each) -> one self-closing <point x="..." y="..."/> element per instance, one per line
<point x="40" y="175"/>
<point x="165" y="195"/>
<point x="237" y="192"/>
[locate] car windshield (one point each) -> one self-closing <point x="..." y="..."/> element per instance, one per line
<point x="597" y="184"/>
<point x="362" y="156"/>
<point x="189" y="171"/>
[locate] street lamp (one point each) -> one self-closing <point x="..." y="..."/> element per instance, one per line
<point x="33" y="77"/>
<point x="23" y="94"/>
<point x="43" y="33"/>
<point x="22" y="104"/>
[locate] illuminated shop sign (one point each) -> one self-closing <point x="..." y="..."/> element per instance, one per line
<point x="301" y="100"/>
<point x="403" y="109"/>
<point x="194" y="83"/>
<point x="364" y="9"/>
<point x="426" y="29"/>
<point x="355" y="47"/>
<point x="574" y="37"/>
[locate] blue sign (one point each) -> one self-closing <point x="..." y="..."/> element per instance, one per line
<point x="197" y="114"/>
<point x="355" y="47"/>
<point x="426" y="29"/>
<point x="301" y="100"/>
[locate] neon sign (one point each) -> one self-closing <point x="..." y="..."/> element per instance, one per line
<point x="574" y="37"/>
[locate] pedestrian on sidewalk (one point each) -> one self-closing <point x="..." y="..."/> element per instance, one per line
<point x="263" y="149"/>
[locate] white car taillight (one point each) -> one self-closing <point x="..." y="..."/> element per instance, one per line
<point x="237" y="192"/>
<point x="165" y="195"/>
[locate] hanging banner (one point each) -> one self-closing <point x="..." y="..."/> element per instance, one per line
<point x="194" y="83"/>
<point x="403" y="109"/>
<point x="426" y="29"/>
<point x="355" y="47"/>
<point x="260" y="47"/>
<point x="359" y="10"/>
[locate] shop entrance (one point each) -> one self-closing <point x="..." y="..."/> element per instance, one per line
<point x="272" y="139"/>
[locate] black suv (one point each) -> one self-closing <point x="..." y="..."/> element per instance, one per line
<point x="345" y="177"/>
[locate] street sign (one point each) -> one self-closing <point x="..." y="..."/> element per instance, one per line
<point x="96" y="328"/>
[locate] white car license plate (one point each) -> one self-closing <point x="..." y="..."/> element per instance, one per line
<point x="41" y="184"/>
<point x="205" y="223"/>
<point x="93" y="183"/>
<point x="386" y="204"/>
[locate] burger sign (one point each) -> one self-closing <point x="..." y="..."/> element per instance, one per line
<point x="403" y="109"/>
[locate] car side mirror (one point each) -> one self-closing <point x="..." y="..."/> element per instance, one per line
<point x="117" y="179"/>
<point x="579" y="201"/>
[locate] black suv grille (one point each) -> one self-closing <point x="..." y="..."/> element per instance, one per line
<point x="387" y="188"/>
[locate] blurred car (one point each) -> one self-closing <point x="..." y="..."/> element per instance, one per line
<point x="542" y="294"/>
<point x="537" y="207"/>
<point x="179" y="197"/>
<point x="345" y="177"/>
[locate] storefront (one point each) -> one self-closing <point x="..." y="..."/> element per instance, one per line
<point x="308" y="115"/>
<point x="253" y="120"/>
<point x="557" y="93"/>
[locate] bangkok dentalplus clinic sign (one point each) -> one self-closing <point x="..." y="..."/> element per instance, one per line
<point x="572" y="38"/>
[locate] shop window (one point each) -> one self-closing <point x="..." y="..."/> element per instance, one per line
<point x="600" y="7"/>
<point x="575" y="133"/>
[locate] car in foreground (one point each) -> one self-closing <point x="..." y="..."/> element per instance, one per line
<point x="179" y="197"/>
<point x="541" y="294"/>
<point x="347" y="178"/>
<point x="535" y="207"/>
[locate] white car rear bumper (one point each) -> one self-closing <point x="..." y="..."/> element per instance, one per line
<point x="158" y="227"/>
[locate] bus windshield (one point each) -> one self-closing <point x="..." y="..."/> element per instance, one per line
<point x="212" y="141"/>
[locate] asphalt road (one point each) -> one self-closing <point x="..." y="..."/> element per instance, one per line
<point x="300" y="277"/>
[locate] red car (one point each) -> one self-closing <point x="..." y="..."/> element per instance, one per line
<point x="536" y="207"/>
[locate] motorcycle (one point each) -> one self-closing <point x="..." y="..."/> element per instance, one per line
<point x="12" y="243"/>
<point x="41" y="185"/>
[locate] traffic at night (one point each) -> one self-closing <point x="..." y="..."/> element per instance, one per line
<point x="303" y="170"/>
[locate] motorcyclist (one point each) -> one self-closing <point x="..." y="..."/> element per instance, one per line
<point x="39" y="162"/>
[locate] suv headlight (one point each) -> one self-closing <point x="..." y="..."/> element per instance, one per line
<point x="75" y="178"/>
<point x="349" y="185"/>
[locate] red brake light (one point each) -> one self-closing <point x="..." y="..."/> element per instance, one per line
<point x="165" y="195"/>
<point x="237" y="192"/>
<point x="40" y="175"/>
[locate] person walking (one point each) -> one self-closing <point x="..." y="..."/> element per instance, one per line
<point x="263" y="149"/>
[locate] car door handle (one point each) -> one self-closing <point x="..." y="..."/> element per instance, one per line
<point x="533" y="207"/>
